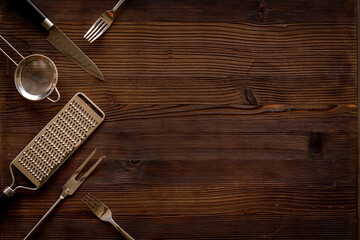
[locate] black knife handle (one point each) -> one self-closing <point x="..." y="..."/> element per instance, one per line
<point x="4" y="201"/>
<point x="30" y="9"/>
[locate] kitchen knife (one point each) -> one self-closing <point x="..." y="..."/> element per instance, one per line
<point x="59" y="40"/>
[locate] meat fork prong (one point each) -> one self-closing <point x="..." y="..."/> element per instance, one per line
<point x="72" y="184"/>
<point x="70" y="187"/>
<point x="83" y="164"/>
<point x="91" y="169"/>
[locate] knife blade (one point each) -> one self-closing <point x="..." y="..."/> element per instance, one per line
<point x="60" y="41"/>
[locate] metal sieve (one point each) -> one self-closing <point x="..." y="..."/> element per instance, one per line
<point x="35" y="75"/>
<point x="56" y="142"/>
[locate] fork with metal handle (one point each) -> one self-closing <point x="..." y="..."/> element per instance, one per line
<point x="102" y="23"/>
<point x="103" y="213"/>
<point x="69" y="187"/>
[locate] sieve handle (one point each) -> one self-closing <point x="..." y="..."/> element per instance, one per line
<point x="4" y="201"/>
<point x="31" y="9"/>
<point x="51" y="100"/>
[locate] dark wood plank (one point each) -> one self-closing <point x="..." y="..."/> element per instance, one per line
<point x="205" y="62"/>
<point x="358" y="125"/>
<point x="225" y="120"/>
<point x="251" y="11"/>
<point x="208" y="173"/>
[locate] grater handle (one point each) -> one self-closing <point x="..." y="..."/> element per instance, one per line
<point x="4" y="201"/>
<point x="98" y="111"/>
<point x="58" y="94"/>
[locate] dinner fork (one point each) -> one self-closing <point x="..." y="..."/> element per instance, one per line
<point x="103" y="213"/>
<point x="69" y="187"/>
<point x="102" y="23"/>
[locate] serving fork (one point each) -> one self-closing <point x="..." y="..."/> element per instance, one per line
<point x="102" y="23"/>
<point x="103" y="213"/>
<point x="69" y="187"/>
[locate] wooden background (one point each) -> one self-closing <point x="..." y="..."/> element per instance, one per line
<point x="226" y="119"/>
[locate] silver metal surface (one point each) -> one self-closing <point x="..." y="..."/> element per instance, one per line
<point x="102" y="23"/>
<point x="45" y="216"/>
<point x="62" y="43"/>
<point x="9" y="192"/>
<point x="12" y="49"/>
<point x="69" y="187"/>
<point x="35" y="75"/>
<point x="103" y="213"/>
<point x="58" y="96"/>
<point x="55" y="143"/>
<point x="47" y="24"/>
<point x="72" y="185"/>
<point x="35" y="90"/>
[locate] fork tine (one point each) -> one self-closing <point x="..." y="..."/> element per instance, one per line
<point x="88" y="204"/>
<point x="98" y="32"/>
<point x="83" y="164"/>
<point x="106" y="28"/>
<point x="91" y="204"/>
<point x="87" y="198"/>
<point x="95" y="200"/>
<point x="103" y="25"/>
<point x="98" y="25"/>
<point x="96" y="29"/>
<point x="91" y="169"/>
<point x="92" y="27"/>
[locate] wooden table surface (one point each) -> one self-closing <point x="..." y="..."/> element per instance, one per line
<point x="225" y="119"/>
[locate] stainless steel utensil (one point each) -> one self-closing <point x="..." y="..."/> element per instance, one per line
<point x="55" y="143"/>
<point x="102" y="23"/>
<point x="35" y="75"/>
<point x="103" y="213"/>
<point x="59" y="40"/>
<point x="69" y="187"/>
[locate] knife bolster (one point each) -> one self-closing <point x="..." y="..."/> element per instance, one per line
<point x="47" y="24"/>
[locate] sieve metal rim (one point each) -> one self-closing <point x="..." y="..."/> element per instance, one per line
<point x="19" y="69"/>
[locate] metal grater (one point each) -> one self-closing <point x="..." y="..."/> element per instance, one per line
<point x="57" y="141"/>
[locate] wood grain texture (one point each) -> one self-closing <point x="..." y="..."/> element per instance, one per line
<point x="224" y="120"/>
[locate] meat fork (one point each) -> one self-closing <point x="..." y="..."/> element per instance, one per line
<point x="69" y="187"/>
<point x="102" y="23"/>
